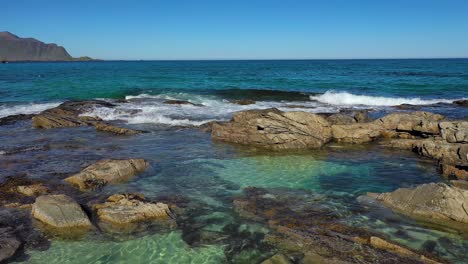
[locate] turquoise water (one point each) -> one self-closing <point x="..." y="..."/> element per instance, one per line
<point x="185" y="162"/>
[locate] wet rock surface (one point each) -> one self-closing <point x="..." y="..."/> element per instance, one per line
<point x="181" y="102"/>
<point x="274" y="129"/>
<point x="435" y="203"/>
<point x="9" y="243"/>
<point x="8" y="120"/>
<point x="107" y="171"/>
<point x="60" y="211"/>
<point x="116" y="130"/>
<point x="125" y="210"/>
<point x="301" y="224"/>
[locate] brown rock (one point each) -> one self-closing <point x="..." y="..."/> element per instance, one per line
<point x="181" y="102"/>
<point x="460" y="184"/>
<point x="125" y="209"/>
<point x="107" y="171"/>
<point x="60" y="211"/>
<point x="116" y="130"/>
<point x="435" y="203"/>
<point x="32" y="190"/>
<point x="341" y="119"/>
<point x="419" y="123"/>
<point x="356" y="133"/>
<point x="277" y="259"/>
<point x="274" y="129"/>
<point x="380" y="243"/>
<point x="454" y="132"/>
<point x="451" y="172"/>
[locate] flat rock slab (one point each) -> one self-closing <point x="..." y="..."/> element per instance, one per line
<point x="107" y="171"/>
<point x="434" y="203"/>
<point x="60" y="211"/>
<point x="124" y="209"/>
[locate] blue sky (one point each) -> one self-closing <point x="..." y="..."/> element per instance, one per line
<point x="238" y="29"/>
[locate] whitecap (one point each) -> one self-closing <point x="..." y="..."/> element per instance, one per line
<point x="32" y="108"/>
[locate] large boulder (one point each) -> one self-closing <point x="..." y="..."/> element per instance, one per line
<point x="454" y="132"/>
<point x="274" y="129"/>
<point x="123" y="210"/>
<point x="356" y="133"/>
<point x="434" y="202"/>
<point x="60" y="211"/>
<point x="107" y="171"/>
<point x="416" y="123"/>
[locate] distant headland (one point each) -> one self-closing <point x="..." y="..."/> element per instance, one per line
<point x="14" y="49"/>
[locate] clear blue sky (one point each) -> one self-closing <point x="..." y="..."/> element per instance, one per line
<point x="239" y="29"/>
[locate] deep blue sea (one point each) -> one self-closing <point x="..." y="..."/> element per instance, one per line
<point x="186" y="162"/>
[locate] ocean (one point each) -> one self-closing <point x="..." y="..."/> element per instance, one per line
<point x="186" y="162"/>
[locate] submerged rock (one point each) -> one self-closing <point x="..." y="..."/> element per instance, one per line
<point x="274" y="129"/>
<point x="243" y="102"/>
<point x="60" y="211"/>
<point x="461" y="102"/>
<point x="302" y="224"/>
<point x="123" y="209"/>
<point x="277" y="259"/>
<point x="9" y="244"/>
<point x="435" y="203"/>
<point x="19" y="191"/>
<point x="107" y="171"/>
<point x="116" y="130"/>
<point x="181" y="102"/>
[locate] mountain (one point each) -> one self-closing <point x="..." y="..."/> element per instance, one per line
<point x="14" y="48"/>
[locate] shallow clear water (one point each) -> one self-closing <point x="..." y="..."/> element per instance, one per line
<point x="185" y="162"/>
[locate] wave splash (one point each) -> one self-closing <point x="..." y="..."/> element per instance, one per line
<point x="345" y="98"/>
<point x="25" y="108"/>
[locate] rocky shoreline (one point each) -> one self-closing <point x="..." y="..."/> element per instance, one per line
<point x="302" y="231"/>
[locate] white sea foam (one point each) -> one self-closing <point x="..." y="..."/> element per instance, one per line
<point x="145" y="108"/>
<point x="345" y="98"/>
<point x="6" y="110"/>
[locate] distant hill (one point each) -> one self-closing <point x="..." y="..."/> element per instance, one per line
<point x="14" y="48"/>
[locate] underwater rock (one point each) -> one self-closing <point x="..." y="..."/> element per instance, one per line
<point x="18" y="191"/>
<point x="60" y="211"/>
<point x="416" y="123"/>
<point x="9" y="243"/>
<point x="356" y="133"/>
<point x="11" y="119"/>
<point x="32" y="190"/>
<point x="243" y="102"/>
<point x="341" y="119"/>
<point x="302" y="224"/>
<point x="277" y="259"/>
<point x="116" y="130"/>
<point x="107" y="171"/>
<point x="13" y="151"/>
<point x="181" y="102"/>
<point x="434" y="202"/>
<point x="274" y="129"/>
<point x="454" y="132"/>
<point x="126" y="209"/>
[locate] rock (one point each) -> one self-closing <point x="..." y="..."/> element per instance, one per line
<point x="243" y="102"/>
<point x="277" y="259"/>
<point x="274" y="129"/>
<point x="356" y="133"/>
<point x="8" y="120"/>
<point x="460" y="184"/>
<point x="60" y="211"/>
<point x="461" y="102"/>
<point x="454" y="172"/>
<point x="125" y="209"/>
<point x="408" y="107"/>
<point x="116" y="130"/>
<point x="9" y="244"/>
<point x="107" y="171"/>
<point x="32" y="190"/>
<point x="416" y="123"/>
<point x="454" y="132"/>
<point x="314" y="258"/>
<point x="380" y="243"/>
<point x="362" y="116"/>
<point x="207" y="127"/>
<point x="181" y="102"/>
<point x="341" y="119"/>
<point x="435" y="203"/>
<point x="446" y="153"/>
<point x="18" y="150"/>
